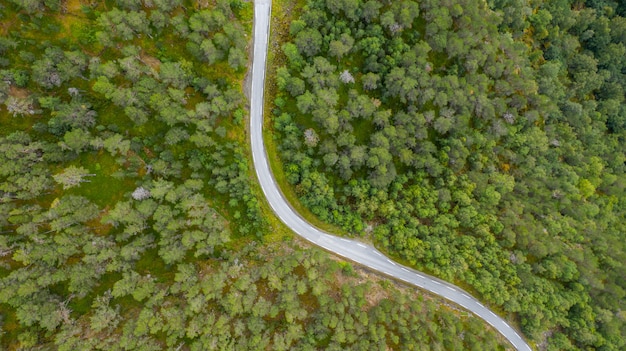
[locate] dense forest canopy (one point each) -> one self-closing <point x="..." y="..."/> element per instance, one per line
<point x="480" y="141"/>
<point x="128" y="215"/>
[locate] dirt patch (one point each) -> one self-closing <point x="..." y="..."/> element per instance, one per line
<point x="71" y="15"/>
<point x="98" y="227"/>
<point x="18" y="92"/>
<point x="375" y="293"/>
<point x="72" y="5"/>
<point x="543" y="344"/>
<point x="4" y="27"/>
<point x="235" y="135"/>
<point x="246" y="85"/>
<point x="203" y="4"/>
<point x="151" y="61"/>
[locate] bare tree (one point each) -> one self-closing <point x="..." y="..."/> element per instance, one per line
<point x="72" y="176"/>
<point x="20" y="106"/>
<point x="346" y="77"/>
<point x="310" y="137"/>
<point x="141" y="193"/>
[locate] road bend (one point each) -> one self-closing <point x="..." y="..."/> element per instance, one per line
<point x="350" y="249"/>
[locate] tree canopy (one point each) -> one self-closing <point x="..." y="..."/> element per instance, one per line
<point x="128" y="215"/>
<point x="480" y="142"/>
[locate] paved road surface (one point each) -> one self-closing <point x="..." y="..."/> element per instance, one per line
<point x="352" y="250"/>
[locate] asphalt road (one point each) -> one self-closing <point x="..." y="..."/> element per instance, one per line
<point x="350" y="249"/>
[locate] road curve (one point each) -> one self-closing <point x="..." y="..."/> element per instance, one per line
<point x="350" y="249"/>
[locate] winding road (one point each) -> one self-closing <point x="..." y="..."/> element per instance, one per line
<point x="349" y="249"/>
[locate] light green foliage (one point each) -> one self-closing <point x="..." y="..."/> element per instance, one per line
<point x="116" y="145"/>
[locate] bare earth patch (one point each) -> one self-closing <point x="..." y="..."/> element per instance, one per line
<point x="18" y="92"/>
<point x="151" y="61"/>
<point x="72" y="5"/>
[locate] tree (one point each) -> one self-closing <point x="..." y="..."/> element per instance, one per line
<point x="22" y="166"/>
<point x="20" y="106"/>
<point x="57" y="67"/>
<point x="370" y="81"/>
<point x="77" y="114"/>
<point x="236" y="58"/>
<point x="72" y="176"/>
<point x="370" y="10"/>
<point x="310" y="137"/>
<point x="105" y="316"/>
<point x="291" y="52"/>
<point x="346" y="77"/>
<point x="442" y="124"/>
<point x="339" y="48"/>
<point x="174" y="74"/>
<point x="69" y="211"/>
<point x="116" y="145"/>
<point x="141" y="193"/>
<point x="401" y="85"/>
<point x="207" y="21"/>
<point x="76" y="140"/>
<point x="132" y="68"/>
<point x="309" y="42"/>
<point x="125" y="25"/>
<point x="4" y="91"/>
<point x="45" y="74"/>
<point x="306" y="102"/>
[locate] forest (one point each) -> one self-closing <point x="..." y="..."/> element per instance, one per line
<point x="482" y="142"/>
<point x="130" y="218"/>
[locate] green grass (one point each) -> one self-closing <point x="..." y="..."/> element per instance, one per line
<point x="83" y="306"/>
<point x="151" y="263"/>
<point x="363" y="129"/>
<point x="109" y="114"/>
<point x="10" y="124"/>
<point x="9" y="325"/>
<point x="103" y="188"/>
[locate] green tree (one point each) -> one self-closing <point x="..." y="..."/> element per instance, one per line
<point x="308" y="42"/>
